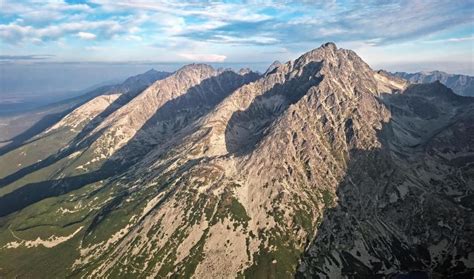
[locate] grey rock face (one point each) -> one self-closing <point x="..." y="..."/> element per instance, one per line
<point x="403" y="207"/>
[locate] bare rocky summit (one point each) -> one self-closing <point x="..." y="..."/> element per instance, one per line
<point x="319" y="168"/>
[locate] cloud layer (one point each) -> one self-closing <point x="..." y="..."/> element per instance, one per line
<point x="171" y="30"/>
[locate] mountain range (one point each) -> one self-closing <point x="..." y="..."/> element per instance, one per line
<point x="460" y="84"/>
<point x="20" y="127"/>
<point x="319" y="168"/>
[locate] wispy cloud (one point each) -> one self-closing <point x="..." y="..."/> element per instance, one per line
<point x="172" y="29"/>
<point x="381" y="22"/>
<point x="25" y="57"/>
<point x="16" y="33"/>
<point x="86" y="36"/>
<point x="203" y="57"/>
<point x="452" y="40"/>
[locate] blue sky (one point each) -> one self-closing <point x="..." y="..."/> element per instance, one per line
<point x="408" y="35"/>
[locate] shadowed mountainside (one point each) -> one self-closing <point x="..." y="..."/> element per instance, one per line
<point x="171" y="118"/>
<point x="246" y="128"/>
<point x="404" y="209"/>
<point x="42" y="118"/>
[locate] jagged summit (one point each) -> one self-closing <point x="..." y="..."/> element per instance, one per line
<point x="195" y="72"/>
<point x="331" y="58"/>
<point x="334" y="58"/>
<point x="272" y="67"/>
<point x="320" y="53"/>
<point x="196" y="67"/>
<point x="137" y="83"/>
<point x="244" y="71"/>
<point x="330" y="45"/>
<point x="326" y="52"/>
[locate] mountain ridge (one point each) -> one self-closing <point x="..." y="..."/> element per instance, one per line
<point x="226" y="174"/>
<point x="461" y="84"/>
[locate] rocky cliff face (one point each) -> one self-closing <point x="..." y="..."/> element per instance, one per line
<point x="320" y="167"/>
<point x="460" y="84"/>
<point x="403" y="206"/>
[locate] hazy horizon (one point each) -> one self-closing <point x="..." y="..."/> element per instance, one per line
<point x="34" y="79"/>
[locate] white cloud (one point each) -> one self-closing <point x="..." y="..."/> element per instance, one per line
<point x="95" y="48"/>
<point x="16" y="33"/>
<point x="206" y="26"/>
<point x="261" y="40"/>
<point x="86" y="36"/>
<point x="41" y="12"/>
<point x="133" y="38"/>
<point x="247" y="12"/>
<point x="134" y="29"/>
<point x="203" y="57"/>
<point x="13" y="32"/>
<point x="253" y="29"/>
<point x="452" y="40"/>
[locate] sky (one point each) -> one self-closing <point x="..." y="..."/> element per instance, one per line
<point x="399" y="35"/>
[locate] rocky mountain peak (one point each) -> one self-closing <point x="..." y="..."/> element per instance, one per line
<point x="324" y="49"/>
<point x="319" y="54"/>
<point x="330" y="45"/>
<point x="192" y="74"/>
<point x="244" y="71"/>
<point x="336" y="60"/>
<point x="196" y="67"/>
<point x="141" y="81"/>
<point x="272" y="67"/>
